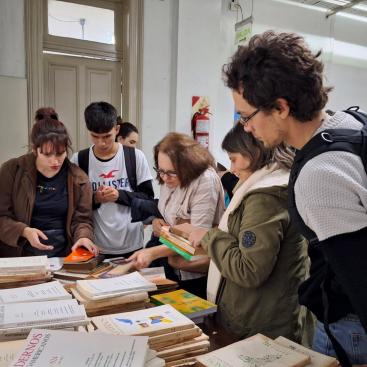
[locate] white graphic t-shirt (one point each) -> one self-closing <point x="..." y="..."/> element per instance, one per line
<point x="114" y="232"/>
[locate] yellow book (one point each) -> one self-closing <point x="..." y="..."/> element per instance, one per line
<point x="187" y="303"/>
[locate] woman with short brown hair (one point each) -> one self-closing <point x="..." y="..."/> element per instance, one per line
<point x="190" y="192"/>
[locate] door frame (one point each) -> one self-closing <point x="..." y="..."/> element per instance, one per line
<point x="132" y="50"/>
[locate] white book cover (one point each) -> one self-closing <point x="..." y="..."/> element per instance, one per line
<point x="22" y="264"/>
<point x="8" y="351"/>
<point x="317" y="359"/>
<point x="258" y="351"/>
<point x="120" y="285"/>
<point x="22" y="332"/>
<point x="151" y="321"/>
<point x="31" y="313"/>
<point x="72" y="349"/>
<point x="35" y="293"/>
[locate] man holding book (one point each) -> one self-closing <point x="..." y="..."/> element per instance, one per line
<point x="106" y="163"/>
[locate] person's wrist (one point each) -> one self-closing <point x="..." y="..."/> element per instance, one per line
<point x="25" y="232"/>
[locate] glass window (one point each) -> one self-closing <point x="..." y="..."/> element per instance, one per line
<point x="81" y="22"/>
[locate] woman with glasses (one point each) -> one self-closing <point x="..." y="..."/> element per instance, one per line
<point x="45" y="201"/>
<point x="191" y="192"/>
<point x="258" y="256"/>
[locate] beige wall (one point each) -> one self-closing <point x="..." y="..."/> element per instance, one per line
<point x="13" y="117"/>
<point x="13" y="83"/>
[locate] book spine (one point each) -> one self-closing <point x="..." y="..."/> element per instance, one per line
<point x="170" y="245"/>
<point x="181" y="243"/>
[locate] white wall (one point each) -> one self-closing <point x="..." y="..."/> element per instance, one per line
<point x="13" y="84"/>
<point x="13" y="117"/>
<point x="202" y="40"/>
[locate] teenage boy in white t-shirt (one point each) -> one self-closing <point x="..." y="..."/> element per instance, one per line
<point x="112" y="192"/>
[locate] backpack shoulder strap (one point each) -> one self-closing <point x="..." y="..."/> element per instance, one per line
<point x="130" y="163"/>
<point x="83" y="160"/>
<point x="347" y="140"/>
<point x="357" y="114"/>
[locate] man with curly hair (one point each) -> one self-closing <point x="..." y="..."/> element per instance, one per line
<point x="277" y="86"/>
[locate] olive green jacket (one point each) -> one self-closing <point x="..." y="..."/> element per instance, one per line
<point x="262" y="260"/>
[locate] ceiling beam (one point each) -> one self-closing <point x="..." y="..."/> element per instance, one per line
<point x="342" y="7"/>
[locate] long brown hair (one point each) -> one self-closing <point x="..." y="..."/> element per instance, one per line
<point x="188" y="157"/>
<point x="239" y="141"/>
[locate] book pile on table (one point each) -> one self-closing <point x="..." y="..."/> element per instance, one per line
<point x="17" y="319"/>
<point x="154" y="275"/>
<point x="80" y="264"/>
<point x="50" y="291"/>
<point x="124" y="293"/>
<point x="67" y="348"/>
<point x="173" y="336"/>
<point x="81" y="261"/>
<point x="259" y="350"/>
<point x="20" y="271"/>
<point x="194" y="307"/>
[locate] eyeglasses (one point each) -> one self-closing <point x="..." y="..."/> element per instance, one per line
<point x="162" y="173"/>
<point x="243" y="120"/>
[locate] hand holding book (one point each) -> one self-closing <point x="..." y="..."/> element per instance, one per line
<point x="87" y="244"/>
<point x="193" y="234"/>
<point x="197" y="235"/>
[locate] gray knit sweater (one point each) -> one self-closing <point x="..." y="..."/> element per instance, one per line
<point x="331" y="189"/>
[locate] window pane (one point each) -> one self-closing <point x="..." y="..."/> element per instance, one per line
<point x="81" y="22"/>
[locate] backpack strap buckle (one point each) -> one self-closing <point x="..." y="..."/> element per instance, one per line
<point x="327" y="137"/>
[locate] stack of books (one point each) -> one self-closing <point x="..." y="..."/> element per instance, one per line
<point x="17" y="319"/>
<point x="172" y="335"/>
<point x="66" y="349"/>
<point x="20" y="271"/>
<point x="81" y="261"/>
<point x="177" y="240"/>
<point x="158" y="277"/>
<point x="124" y="293"/>
<point x="260" y="350"/>
<point x="50" y="291"/>
<point x="194" y="307"/>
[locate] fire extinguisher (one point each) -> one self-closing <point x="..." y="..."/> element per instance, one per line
<point x="200" y="124"/>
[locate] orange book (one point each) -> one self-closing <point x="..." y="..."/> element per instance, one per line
<point x="79" y="255"/>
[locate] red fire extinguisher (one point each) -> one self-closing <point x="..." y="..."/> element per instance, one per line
<point x="200" y="124"/>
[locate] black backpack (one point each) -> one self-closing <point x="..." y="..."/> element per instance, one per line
<point x="130" y="163"/>
<point x="348" y="140"/>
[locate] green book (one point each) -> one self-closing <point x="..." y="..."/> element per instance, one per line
<point x="170" y="245"/>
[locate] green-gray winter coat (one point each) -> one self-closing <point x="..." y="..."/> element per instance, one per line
<point x="262" y="260"/>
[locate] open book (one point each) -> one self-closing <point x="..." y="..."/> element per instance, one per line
<point x="258" y="351"/>
<point x="317" y="359"/>
<point x="67" y="348"/>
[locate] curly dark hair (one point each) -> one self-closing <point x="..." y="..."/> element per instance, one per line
<point x="278" y="65"/>
<point x="188" y="157"/>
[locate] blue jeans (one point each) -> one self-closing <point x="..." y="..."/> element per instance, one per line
<point x="351" y="335"/>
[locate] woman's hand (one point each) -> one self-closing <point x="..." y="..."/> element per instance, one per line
<point x="197" y="235"/>
<point x="88" y="244"/>
<point x="33" y="236"/>
<point x="200" y="265"/>
<point x="142" y="258"/>
<point x="157" y="226"/>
